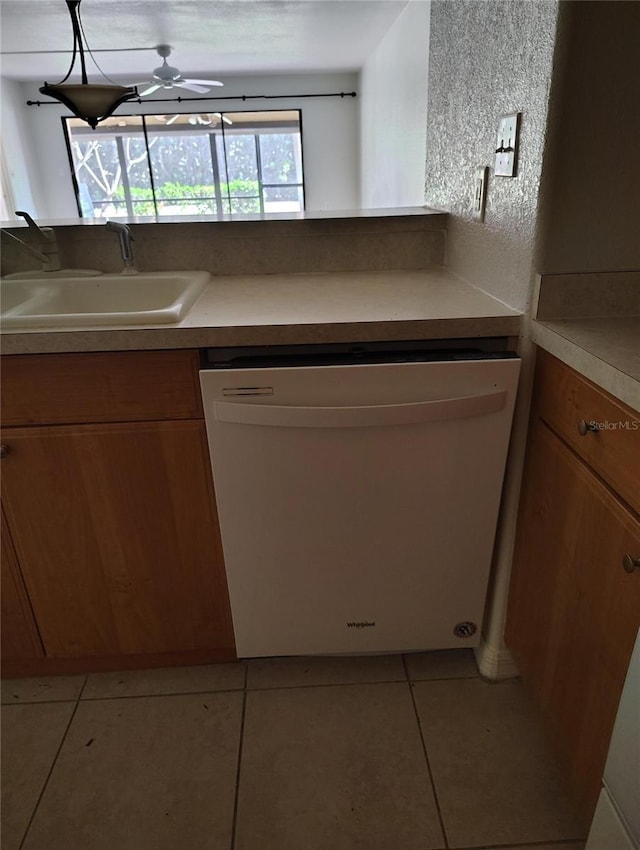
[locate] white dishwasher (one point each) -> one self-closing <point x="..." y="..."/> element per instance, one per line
<point x="358" y="491"/>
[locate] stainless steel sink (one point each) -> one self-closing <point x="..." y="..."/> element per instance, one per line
<point x="150" y="298"/>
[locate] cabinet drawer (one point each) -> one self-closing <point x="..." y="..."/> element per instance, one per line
<point x="52" y="389"/>
<point x="563" y="398"/>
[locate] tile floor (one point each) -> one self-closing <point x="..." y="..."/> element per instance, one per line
<point x="369" y="753"/>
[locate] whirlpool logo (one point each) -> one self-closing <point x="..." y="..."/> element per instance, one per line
<point x="362" y="624"/>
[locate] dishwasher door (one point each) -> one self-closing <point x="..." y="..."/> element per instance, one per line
<point x="358" y="504"/>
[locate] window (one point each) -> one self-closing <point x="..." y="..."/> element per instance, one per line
<point x="213" y="164"/>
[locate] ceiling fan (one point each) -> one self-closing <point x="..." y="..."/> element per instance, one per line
<point x="165" y="76"/>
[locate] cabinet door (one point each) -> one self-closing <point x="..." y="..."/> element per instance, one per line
<point x="116" y="533"/>
<point x="20" y="639"/>
<point x="573" y="610"/>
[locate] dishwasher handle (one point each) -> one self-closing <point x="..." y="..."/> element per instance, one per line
<point x="287" y="416"/>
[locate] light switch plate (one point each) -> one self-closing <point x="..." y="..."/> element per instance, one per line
<point x="480" y="191"/>
<point x="507" y="145"/>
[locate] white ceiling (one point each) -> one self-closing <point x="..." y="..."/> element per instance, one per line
<point x="209" y="37"/>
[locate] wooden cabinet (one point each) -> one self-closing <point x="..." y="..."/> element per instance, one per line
<point x="573" y="609"/>
<point x="122" y="386"/>
<point x="563" y="399"/>
<point x="114" y="524"/>
<point x="20" y="639"/>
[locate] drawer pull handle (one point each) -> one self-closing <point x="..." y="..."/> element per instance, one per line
<point x="584" y="427"/>
<point x="630" y="563"/>
<point x="4" y="449"/>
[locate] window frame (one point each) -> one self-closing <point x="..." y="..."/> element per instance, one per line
<point x="219" y="196"/>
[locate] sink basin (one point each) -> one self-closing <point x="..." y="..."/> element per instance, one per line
<point x="150" y="298"/>
<point x="11" y="297"/>
<point x="61" y="273"/>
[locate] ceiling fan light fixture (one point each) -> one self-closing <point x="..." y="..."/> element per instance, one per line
<point x="168" y="77"/>
<point x="91" y="102"/>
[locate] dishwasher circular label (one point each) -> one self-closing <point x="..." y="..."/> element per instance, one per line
<point x="465" y="630"/>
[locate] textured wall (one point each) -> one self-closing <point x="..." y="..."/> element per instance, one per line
<point x="488" y="58"/>
<point x="393" y="113"/>
<point x="591" y="177"/>
<point x="245" y="247"/>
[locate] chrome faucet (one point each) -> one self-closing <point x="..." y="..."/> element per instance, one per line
<point x="126" y="250"/>
<point x="47" y="249"/>
<point x="33" y="251"/>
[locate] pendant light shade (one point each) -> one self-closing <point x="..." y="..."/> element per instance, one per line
<point x="92" y="103"/>
<point x="89" y="102"/>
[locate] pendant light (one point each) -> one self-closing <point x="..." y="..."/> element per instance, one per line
<point x="88" y="101"/>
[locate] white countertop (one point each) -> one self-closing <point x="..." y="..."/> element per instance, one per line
<point x="304" y="215"/>
<point x="303" y="308"/>
<point x="605" y="350"/>
<point x="591" y="321"/>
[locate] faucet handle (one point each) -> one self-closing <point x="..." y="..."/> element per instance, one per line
<point x="45" y="232"/>
<point x="48" y="247"/>
<point x="27" y="218"/>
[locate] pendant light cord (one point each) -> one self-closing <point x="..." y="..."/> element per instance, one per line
<point x="75" y="47"/>
<point x="93" y="59"/>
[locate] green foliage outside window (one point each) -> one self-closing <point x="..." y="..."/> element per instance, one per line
<point x="201" y="198"/>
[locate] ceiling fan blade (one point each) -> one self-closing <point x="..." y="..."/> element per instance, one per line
<point x="150" y="90"/>
<point x="191" y="87"/>
<point x="204" y="82"/>
<point x="166" y="77"/>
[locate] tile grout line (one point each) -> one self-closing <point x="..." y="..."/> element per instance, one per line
<point x="250" y="690"/>
<point x="536" y="845"/>
<point x="405" y="667"/>
<point x="36" y="702"/>
<point x="234" y="822"/>
<point x="53" y="764"/>
<point x="206" y="692"/>
<point x="426" y="756"/>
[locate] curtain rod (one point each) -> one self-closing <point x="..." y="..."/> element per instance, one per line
<point x="199" y="99"/>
